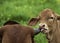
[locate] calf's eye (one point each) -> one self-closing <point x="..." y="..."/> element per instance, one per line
<point x="51" y="17"/>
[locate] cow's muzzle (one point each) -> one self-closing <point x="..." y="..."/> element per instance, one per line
<point x="44" y="28"/>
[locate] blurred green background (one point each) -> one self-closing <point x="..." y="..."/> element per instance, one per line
<point x="22" y="10"/>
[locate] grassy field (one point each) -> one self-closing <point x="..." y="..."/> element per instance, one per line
<point x="22" y="10"/>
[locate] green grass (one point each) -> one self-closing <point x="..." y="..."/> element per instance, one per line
<point x="40" y="38"/>
<point x="22" y="10"/>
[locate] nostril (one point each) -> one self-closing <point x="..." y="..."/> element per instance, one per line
<point x="43" y="25"/>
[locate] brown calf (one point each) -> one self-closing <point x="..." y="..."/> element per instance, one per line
<point x="12" y="32"/>
<point x="16" y="34"/>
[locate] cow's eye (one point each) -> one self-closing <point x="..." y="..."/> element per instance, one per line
<point x="51" y="18"/>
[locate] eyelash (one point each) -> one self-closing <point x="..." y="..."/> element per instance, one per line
<point x="51" y="18"/>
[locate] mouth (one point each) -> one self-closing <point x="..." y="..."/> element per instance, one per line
<point x="44" y="30"/>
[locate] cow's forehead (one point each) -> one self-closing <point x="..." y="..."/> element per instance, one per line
<point x="47" y="13"/>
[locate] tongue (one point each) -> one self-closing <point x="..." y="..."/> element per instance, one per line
<point x="42" y="28"/>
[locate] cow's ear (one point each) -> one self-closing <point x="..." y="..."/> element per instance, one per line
<point x="58" y="17"/>
<point x="33" y="21"/>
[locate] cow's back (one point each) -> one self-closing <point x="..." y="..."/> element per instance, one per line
<point x="17" y="34"/>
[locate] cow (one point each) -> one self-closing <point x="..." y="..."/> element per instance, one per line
<point x="13" y="32"/>
<point x="51" y="22"/>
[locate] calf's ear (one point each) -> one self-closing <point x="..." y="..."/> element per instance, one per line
<point x="58" y="17"/>
<point x="33" y="21"/>
<point x="10" y="22"/>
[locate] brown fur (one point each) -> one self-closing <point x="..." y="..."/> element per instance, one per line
<point x="16" y="34"/>
<point x="45" y="16"/>
<point x="9" y="22"/>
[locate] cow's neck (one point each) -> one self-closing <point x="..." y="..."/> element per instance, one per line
<point x="55" y="36"/>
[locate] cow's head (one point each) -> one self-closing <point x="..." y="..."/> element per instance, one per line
<point x="47" y="19"/>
